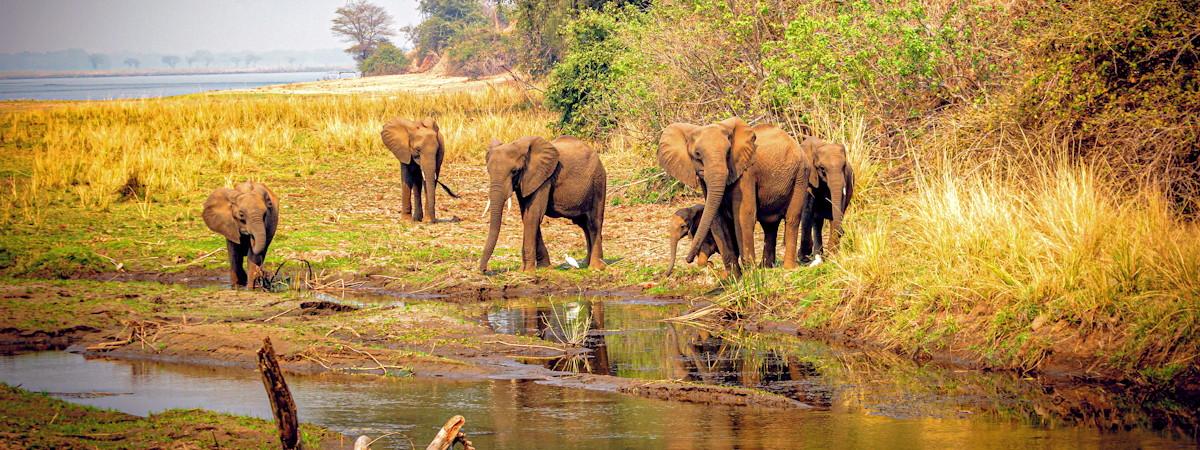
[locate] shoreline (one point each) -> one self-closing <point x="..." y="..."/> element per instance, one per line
<point x="150" y="73"/>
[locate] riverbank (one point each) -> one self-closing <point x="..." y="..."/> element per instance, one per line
<point x="35" y="420"/>
<point x="127" y="209"/>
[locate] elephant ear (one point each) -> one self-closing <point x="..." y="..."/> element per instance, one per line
<point x="742" y="146"/>
<point x="673" y="154"/>
<point x="218" y="213"/>
<point x="396" y="137"/>
<point x="540" y="164"/>
<point x="808" y="150"/>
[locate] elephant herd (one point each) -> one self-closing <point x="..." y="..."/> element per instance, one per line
<point x="747" y="174"/>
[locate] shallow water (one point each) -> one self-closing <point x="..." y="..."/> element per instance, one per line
<point x="861" y="399"/>
<point x="141" y="86"/>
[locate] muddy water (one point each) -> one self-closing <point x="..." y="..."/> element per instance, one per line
<point x="861" y="399"/>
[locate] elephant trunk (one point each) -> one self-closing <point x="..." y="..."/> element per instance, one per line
<point x="836" y="197"/>
<point x="497" y="194"/>
<point x="258" y="236"/>
<point x="429" y="172"/>
<point x="715" y="192"/>
<point x="673" y="238"/>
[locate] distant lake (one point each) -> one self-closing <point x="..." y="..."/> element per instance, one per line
<point x="141" y="86"/>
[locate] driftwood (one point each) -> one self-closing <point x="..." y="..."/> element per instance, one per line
<point x="282" y="405"/>
<point x="450" y="434"/>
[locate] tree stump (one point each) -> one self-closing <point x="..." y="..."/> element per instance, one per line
<point x="449" y="434"/>
<point x="282" y="405"/>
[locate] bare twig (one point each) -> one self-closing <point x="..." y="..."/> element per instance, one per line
<point x="280" y="314"/>
<point x="526" y="345"/>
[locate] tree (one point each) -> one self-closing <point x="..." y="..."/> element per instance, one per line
<point x="97" y="60"/>
<point x="291" y="60"/>
<point x="445" y="20"/>
<point x="172" y="60"/>
<point x="236" y="60"/>
<point x="203" y="56"/>
<point x="387" y="60"/>
<point x="252" y="59"/>
<point x="363" y="24"/>
<point x="132" y="62"/>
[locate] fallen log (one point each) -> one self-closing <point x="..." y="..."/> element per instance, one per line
<point x="282" y="405"/>
<point x="450" y="434"/>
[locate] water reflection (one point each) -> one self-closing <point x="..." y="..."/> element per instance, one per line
<point x="630" y="340"/>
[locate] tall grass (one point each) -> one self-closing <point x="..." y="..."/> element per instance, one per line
<point x="1002" y="255"/>
<point x="92" y="151"/>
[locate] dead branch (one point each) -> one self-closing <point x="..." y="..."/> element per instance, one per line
<point x="282" y="405"/>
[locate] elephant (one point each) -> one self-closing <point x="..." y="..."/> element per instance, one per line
<point x="420" y="149"/>
<point x="560" y="178"/>
<point x="247" y="217"/>
<point x="768" y="176"/>
<point x="831" y="194"/>
<point x="685" y="222"/>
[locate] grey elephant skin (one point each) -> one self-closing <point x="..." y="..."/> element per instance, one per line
<point x="560" y="178"/>
<point x="247" y="216"/>
<point x="752" y="174"/>
<point x="420" y="149"/>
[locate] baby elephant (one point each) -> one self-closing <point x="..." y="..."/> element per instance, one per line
<point x="247" y="216"/>
<point x="684" y="222"/>
<point x="420" y="149"/>
<point x="559" y="178"/>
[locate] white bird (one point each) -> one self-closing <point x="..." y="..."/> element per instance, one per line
<point x="571" y="261"/>
<point x="815" y="261"/>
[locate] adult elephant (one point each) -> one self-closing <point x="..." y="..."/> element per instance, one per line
<point x="559" y="178"/>
<point x="766" y="176"/>
<point x="247" y="217"/>
<point x="832" y="191"/>
<point x="420" y="149"/>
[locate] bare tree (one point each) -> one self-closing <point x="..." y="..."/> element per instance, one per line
<point x="203" y="56"/>
<point x="97" y="60"/>
<point x="363" y="24"/>
<point x="132" y="62"/>
<point x="172" y="60"/>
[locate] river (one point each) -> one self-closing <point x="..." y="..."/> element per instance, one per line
<point x="859" y="399"/>
<point x="141" y="86"/>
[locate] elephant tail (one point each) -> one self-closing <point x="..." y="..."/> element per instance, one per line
<point x="447" y="189"/>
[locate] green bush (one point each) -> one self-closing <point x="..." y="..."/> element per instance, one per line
<point x="479" y="52"/>
<point x="586" y="86"/>
<point x="386" y="60"/>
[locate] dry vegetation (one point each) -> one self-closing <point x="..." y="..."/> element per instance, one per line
<point x="985" y="223"/>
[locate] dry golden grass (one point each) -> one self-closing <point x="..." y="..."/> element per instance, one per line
<point x="168" y="146"/>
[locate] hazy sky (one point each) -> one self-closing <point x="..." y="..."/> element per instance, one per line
<point x="177" y="26"/>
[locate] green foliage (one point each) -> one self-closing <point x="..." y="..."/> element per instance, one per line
<point x="444" y="21"/>
<point x="480" y="51"/>
<point x="585" y="87"/>
<point x="386" y="60"/>
<point x="542" y="28"/>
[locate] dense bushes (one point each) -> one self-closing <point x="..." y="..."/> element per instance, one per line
<point x="480" y="52"/>
<point x="386" y="60"/>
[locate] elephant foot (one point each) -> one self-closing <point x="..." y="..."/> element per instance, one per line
<point x="598" y="264"/>
<point x="406" y="216"/>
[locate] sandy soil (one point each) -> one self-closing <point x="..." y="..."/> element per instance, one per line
<point x="430" y="82"/>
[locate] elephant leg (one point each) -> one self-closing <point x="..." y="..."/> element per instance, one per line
<point x="543" y="255"/>
<point x="818" y="239"/>
<point x="405" y="192"/>
<point x="791" y="220"/>
<point x="807" y="217"/>
<point x="237" y="273"/>
<point x="744" y="210"/>
<point x="582" y="223"/>
<point x="418" y="213"/>
<point x="770" y="236"/>
<point x="531" y="218"/>
<point x="595" y="242"/>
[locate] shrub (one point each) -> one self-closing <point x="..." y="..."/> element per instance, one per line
<point x="585" y="88"/>
<point x="480" y="52"/>
<point x="386" y="60"/>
